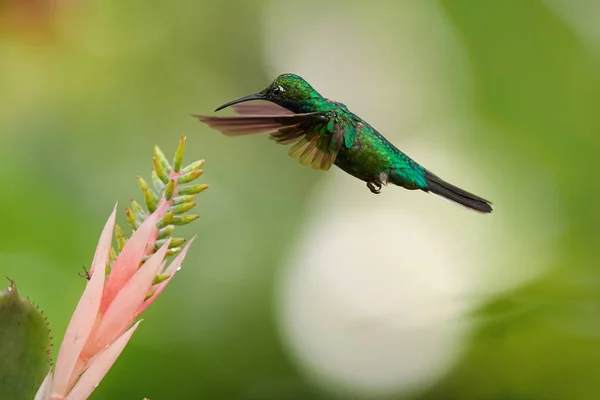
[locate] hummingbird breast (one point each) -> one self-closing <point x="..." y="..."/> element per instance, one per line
<point x="365" y="160"/>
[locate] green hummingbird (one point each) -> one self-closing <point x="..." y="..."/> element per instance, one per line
<point x="324" y="132"/>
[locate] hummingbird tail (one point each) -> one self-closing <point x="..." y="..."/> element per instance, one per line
<point x="442" y="188"/>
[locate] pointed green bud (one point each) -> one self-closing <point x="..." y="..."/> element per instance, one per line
<point x="149" y="294"/>
<point x="160" y="243"/>
<point x="142" y="183"/>
<point x="183" y="219"/>
<point x="166" y="220"/>
<point x="24" y="346"/>
<point x="113" y="254"/>
<point x="193" y="189"/>
<point x="149" y="200"/>
<point x="176" y="242"/>
<point x="166" y="232"/>
<point x="144" y="186"/>
<point x="133" y="222"/>
<point x="183" y="199"/>
<point x="160" y="172"/>
<point x="193" y="166"/>
<point x="170" y="190"/>
<point x="178" y="160"/>
<point x="158" y="184"/>
<point x="138" y="210"/>
<point x="160" y="278"/>
<point x="190" y="176"/>
<point x="173" y="251"/>
<point x="121" y="239"/>
<point x="162" y="160"/>
<point x="181" y="208"/>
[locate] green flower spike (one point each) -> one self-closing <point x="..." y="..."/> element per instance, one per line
<point x="172" y="187"/>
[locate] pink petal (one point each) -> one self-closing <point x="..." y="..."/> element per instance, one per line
<point x="121" y="312"/>
<point x="126" y="265"/>
<point x="171" y="270"/>
<point x="43" y="392"/>
<point x="84" y="317"/>
<point x="99" y="366"/>
<point x="103" y="248"/>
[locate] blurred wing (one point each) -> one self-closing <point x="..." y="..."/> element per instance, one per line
<point x="248" y="125"/>
<point x="316" y="139"/>
<point x="254" y="108"/>
<point x="316" y="145"/>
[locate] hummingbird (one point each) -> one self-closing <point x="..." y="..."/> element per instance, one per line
<point x="324" y="132"/>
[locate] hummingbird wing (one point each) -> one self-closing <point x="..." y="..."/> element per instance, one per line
<point x="253" y="108"/>
<point x="315" y="137"/>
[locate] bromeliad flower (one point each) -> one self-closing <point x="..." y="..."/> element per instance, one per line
<point x="124" y="282"/>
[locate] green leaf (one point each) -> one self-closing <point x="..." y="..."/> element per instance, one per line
<point x="24" y="346"/>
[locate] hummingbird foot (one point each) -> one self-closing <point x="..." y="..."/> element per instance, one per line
<point x="374" y="187"/>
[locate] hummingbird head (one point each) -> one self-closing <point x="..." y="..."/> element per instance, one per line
<point x="288" y="90"/>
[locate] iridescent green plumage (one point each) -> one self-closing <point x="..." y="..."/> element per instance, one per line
<point x="324" y="132"/>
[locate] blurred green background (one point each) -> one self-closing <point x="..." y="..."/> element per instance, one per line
<point x="302" y="284"/>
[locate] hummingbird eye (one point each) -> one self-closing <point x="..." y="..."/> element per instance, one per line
<point x="277" y="91"/>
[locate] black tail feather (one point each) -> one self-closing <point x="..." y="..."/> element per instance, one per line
<point x="442" y="188"/>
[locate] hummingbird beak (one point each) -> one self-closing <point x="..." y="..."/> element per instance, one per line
<point x="255" y="96"/>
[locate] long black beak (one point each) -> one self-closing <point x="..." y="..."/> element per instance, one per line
<point x="255" y="96"/>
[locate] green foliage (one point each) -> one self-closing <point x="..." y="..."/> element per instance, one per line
<point x="24" y="346"/>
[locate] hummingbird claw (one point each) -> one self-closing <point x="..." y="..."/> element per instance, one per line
<point x="374" y="187"/>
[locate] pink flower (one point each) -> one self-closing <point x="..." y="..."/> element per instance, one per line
<point x="101" y="325"/>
